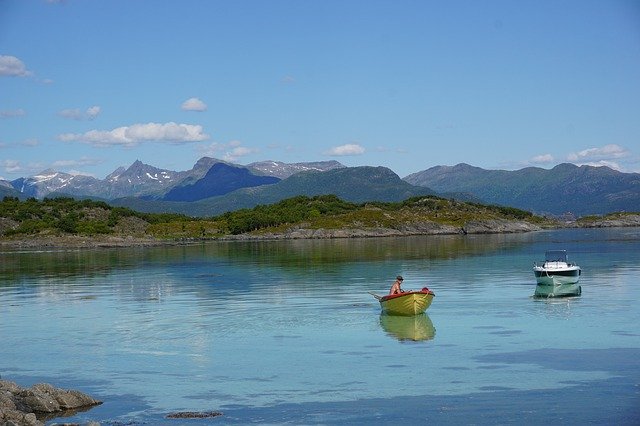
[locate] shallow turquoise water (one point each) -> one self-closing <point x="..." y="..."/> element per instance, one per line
<point x="286" y="332"/>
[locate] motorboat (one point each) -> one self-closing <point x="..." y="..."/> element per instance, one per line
<point x="407" y="303"/>
<point x="556" y="269"/>
<point x="556" y="276"/>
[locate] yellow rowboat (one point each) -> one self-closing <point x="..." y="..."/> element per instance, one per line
<point x="407" y="303"/>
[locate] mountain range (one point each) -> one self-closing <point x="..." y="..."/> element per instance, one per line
<point x="214" y="186"/>
<point x="149" y="182"/>
<point x="581" y="190"/>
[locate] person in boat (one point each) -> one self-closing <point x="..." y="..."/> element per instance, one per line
<point x="395" y="288"/>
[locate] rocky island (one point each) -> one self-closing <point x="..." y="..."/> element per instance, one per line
<point x="69" y="223"/>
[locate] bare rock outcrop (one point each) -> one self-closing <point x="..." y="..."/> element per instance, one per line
<point x="498" y="226"/>
<point x="22" y="406"/>
<point x="7" y="224"/>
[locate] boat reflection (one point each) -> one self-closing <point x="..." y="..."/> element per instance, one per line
<point x="417" y="327"/>
<point x="557" y="290"/>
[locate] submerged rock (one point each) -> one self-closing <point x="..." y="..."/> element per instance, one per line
<point x="194" y="415"/>
<point x="22" y="406"/>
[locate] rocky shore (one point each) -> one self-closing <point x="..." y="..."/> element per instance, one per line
<point x="301" y="231"/>
<point x="402" y="230"/>
<point x="78" y="241"/>
<point x="622" y="221"/>
<point x="42" y="402"/>
<point x="29" y="406"/>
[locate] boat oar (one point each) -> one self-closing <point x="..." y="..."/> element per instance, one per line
<point x="375" y="295"/>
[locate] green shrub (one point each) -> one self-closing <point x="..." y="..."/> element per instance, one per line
<point x="93" y="227"/>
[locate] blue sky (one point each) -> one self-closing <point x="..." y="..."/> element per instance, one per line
<point x="87" y="86"/>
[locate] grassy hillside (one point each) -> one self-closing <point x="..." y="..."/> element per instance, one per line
<point x="67" y="216"/>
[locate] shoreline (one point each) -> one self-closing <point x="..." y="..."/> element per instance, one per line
<point x="297" y="233"/>
<point x="80" y="242"/>
<point x="294" y="233"/>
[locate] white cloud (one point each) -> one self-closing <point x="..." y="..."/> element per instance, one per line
<point x="76" y="114"/>
<point x="93" y="112"/>
<point x="348" y="149"/>
<point x="607" y="152"/>
<point x="84" y="161"/>
<point x="542" y="159"/>
<point x="11" y="113"/>
<point x="27" y="142"/>
<point x="231" y="151"/>
<point x="80" y="173"/>
<point x="73" y="114"/>
<point x="194" y="104"/>
<point x="237" y="152"/>
<point x="11" y="166"/>
<point x="211" y="150"/>
<point x="30" y="142"/>
<point x="13" y="67"/>
<point x="16" y="167"/>
<point x="611" y="164"/>
<point x="136" y="134"/>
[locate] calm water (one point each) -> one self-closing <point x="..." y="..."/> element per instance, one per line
<point x="286" y="332"/>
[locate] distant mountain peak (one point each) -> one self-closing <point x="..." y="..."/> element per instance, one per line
<point x="207" y="161"/>
<point x="47" y="173"/>
<point x="565" y="166"/>
<point x="138" y="165"/>
<point x="465" y="166"/>
<point x="283" y="170"/>
<point x="113" y="176"/>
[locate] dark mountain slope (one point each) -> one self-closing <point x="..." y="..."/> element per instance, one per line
<point x="219" y="180"/>
<point x="354" y="184"/>
<point x="7" y="190"/>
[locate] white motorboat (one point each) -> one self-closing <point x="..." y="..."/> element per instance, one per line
<point x="556" y="276"/>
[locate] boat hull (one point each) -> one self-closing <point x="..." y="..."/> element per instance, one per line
<point x="408" y="303"/>
<point x="557" y="276"/>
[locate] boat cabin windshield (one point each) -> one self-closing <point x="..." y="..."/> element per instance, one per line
<point x="556" y="256"/>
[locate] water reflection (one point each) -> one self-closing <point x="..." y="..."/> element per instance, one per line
<point x="417" y="327"/>
<point x="303" y="253"/>
<point x="296" y="255"/>
<point x="558" y="290"/>
<point x="556" y="307"/>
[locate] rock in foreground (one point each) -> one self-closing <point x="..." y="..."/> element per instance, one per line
<point x="21" y="406"/>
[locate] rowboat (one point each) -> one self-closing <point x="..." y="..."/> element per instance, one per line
<point x="406" y="303"/>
